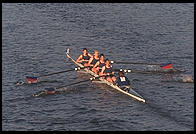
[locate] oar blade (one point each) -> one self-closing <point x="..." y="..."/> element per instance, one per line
<point x="50" y="90"/>
<point x="40" y="93"/>
<point x="166" y="66"/>
<point x="31" y="79"/>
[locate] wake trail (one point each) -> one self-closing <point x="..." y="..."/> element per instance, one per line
<point x="167" y="114"/>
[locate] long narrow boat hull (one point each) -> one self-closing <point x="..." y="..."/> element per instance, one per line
<point x="131" y="92"/>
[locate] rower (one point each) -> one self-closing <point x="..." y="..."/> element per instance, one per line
<point x="93" y="60"/>
<point x="123" y="82"/>
<point x="84" y="57"/>
<point x="108" y="72"/>
<point x="98" y="66"/>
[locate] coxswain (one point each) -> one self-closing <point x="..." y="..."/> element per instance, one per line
<point x="84" y="57"/>
<point x="122" y="80"/>
<point x="93" y="60"/>
<point x="98" y="66"/>
<point x="108" y="72"/>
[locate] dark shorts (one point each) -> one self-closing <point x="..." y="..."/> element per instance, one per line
<point x="99" y="71"/>
<point x="84" y="63"/>
<point x="90" y="68"/>
<point x="111" y="75"/>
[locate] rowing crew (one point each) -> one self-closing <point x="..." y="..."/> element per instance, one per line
<point x="102" y="67"/>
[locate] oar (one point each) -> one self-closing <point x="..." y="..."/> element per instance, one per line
<point x="149" y="72"/>
<point x="52" y="90"/>
<point x="33" y="79"/>
<point x="90" y="79"/>
<point x="163" y="66"/>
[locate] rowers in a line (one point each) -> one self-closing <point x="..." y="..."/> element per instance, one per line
<point x="84" y="57"/>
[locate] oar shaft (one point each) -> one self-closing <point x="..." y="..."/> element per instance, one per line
<point x="150" y="72"/>
<point x="121" y="62"/>
<point x="56" y="73"/>
<point x="73" y="83"/>
<point x="93" y="78"/>
<point x="138" y="71"/>
<point x="59" y="72"/>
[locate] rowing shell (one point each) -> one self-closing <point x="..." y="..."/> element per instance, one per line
<point x="131" y="92"/>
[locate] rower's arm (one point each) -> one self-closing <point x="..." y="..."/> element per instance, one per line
<point x="96" y="64"/>
<point x="91" y="56"/>
<point x="79" y="60"/>
<point x="90" y="60"/>
<point x="112" y="72"/>
<point x="102" y="71"/>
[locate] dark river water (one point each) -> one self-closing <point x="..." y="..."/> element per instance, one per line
<point x="34" y="41"/>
